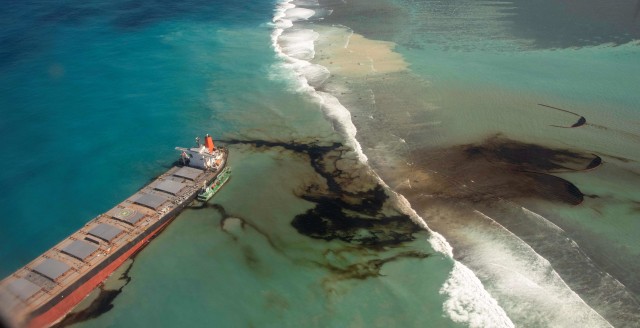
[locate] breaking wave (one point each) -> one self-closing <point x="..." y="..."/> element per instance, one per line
<point x="468" y="301"/>
<point x="296" y="47"/>
<point x="519" y="275"/>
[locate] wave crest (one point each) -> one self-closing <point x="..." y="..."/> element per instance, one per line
<point x="468" y="301"/>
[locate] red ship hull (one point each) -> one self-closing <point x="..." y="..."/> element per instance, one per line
<point x="64" y="306"/>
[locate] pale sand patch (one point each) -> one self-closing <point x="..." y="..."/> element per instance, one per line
<point x="352" y="55"/>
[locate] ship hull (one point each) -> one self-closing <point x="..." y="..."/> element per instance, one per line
<point x="61" y="308"/>
<point x="38" y="296"/>
<point x="56" y="309"/>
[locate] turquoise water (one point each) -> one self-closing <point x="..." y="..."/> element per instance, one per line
<point x="253" y="268"/>
<point x="97" y="108"/>
<point x="94" y="96"/>
<point x="477" y="74"/>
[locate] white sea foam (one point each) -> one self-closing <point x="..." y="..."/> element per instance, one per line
<point x="297" y="14"/>
<point x="526" y="282"/>
<point x="296" y="47"/>
<point x="468" y="301"/>
<point x="298" y="44"/>
<point x="612" y="297"/>
<point x="542" y="219"/>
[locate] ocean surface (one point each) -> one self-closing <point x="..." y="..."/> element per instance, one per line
<point x="395" y="162"/>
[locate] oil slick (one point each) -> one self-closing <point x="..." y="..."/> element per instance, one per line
<point x="350" y="205"/>
<point x="103" y="303"/>
<point x="500" y="168"/>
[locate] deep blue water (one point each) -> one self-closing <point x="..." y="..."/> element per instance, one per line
<point x="94" y="95"/>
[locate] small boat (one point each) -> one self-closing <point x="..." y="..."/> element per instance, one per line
<point x="207" y="192"/>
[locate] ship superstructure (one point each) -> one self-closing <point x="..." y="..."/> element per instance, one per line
<point x="205" y="156"/>
<point x="46" y="289"/>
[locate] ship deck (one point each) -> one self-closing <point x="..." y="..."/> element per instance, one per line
<point x="51" y="275"/>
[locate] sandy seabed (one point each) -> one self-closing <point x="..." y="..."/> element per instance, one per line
<point x="352" y="55"/>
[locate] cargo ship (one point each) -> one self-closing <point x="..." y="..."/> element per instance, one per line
<point x="42" y="292"/>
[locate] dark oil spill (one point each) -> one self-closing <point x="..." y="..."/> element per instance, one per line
<point x="329" y="220"/>
<point x="501" y="168"/>
<point x="248" y="253"/>
<point x="102" y="304"/>
<point x="582" y="121"/>
<point x="531" y="157"/>
<point x="619" y="132"/>
<point x="250" y="258"/>
<point x="345" y="227"/>
<point x="371" y="268"/>
<point x="276" y="302"/>
<point x="243" y="224"/>
<point x="352" y="208"/>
